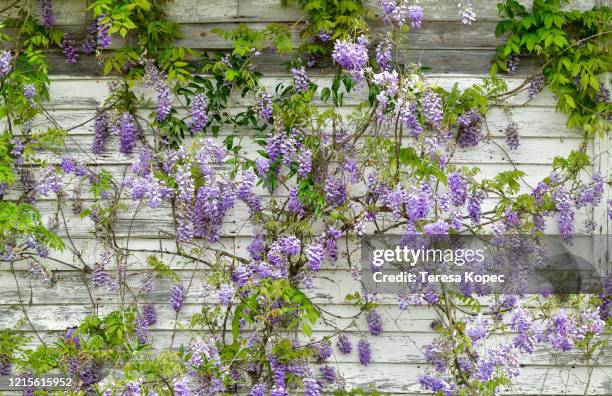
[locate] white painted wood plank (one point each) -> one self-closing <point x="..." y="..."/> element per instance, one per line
<point x="89" y="93"/>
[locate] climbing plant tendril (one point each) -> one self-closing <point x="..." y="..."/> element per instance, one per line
<point x="315" y="165"/>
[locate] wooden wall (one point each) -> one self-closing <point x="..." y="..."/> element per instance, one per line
<point x="455" y="52"/>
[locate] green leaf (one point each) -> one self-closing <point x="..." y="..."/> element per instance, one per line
<point x="231" y="74"/>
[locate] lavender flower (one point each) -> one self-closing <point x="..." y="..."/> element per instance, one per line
<point x="512" y="137"/>
<point x="104" y="37"/>
<point x="127" y="133"/>
<point x="335" y="192"/>
<point x="265" y="107"/>
<point x="522" y="323"/>
<point x="416" y="14"/>
<point x="5" y="63"/>
<point x="289" y="245"/>
<point x="324" y="350"/>
<point x="511" y="218"/>
<point x="278" y="390"/>
<point x="324" y="36"/>
<point x="484" y="369"/>
<point x="343" y="344"/>
<point x="199" y="116"/>
<point x="49" y="181"/>
<point x="512" y="63"/>
<point x="433" y="384"/>
<point x="300" y="79"/>
<point x="90" y="43"/>
<point x="351" y="56"/>
<point x="99" y="277"/>
<point x="70" y="52"/>
<point x="470" y="125"/>
<point x="466" y="12"/>
<point x="590" y="194"/>
<point x="177" y="296"/>
<point x="364" y="352"/>
<point x="314" y="256"/>
<point x="375" y="323"/>
<point x="180" y="388"/>
<point x="142" y="331"/>
<point x="258" y="390"/>
<point x="162" y="91"/>
<point x="565" y="214"/>
<point x="311" y="387"/>
<point x="398" y="12"/>
<point x="432" y="108"/>
<point x="226" y="294"/>
<point x="536" y="85"/>
<point x="477" y="330"/>
<point x="384" y="54"/>
<point x="474" y="206"/>
<point x="408" y="116"/>
<point x="149" y="315"/>
<point x="46" y="13"/>
<point x="295" y="205"/>
<point x="458" y="189"/>
<point x="304" y="163"/>
<point x="29" y="91"/>
<point x="438" y="229"/>
<point x="435" y="356"/>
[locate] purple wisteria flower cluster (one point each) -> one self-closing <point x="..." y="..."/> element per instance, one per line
<point x="68" y="48"/>
<point x="398" y="12"/>
<point x="46" y="13"/>
<point x="353" y="57"/>
<point x="6" y="58"/>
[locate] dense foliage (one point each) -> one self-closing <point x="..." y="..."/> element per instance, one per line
<point x="209" y="140"/>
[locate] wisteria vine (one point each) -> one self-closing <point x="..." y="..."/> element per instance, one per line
<point x="309" y="181"/>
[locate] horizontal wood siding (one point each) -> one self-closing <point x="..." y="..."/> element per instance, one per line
<point x="458" y="54"/>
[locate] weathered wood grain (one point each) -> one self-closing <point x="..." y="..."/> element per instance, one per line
<point x="448" y="47"/>
<point x="602" y="164"/>
<point x="431" y="35"/>
<point x="66" y="12"/>
<point x="534" y="151"/>
<point x="77" y="93"/>
<point x="406" y="333"/>
<point x="532" y="122"/>
<point x="436" y="10"/>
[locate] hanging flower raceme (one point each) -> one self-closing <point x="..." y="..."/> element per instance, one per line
<point x="352" y="57"/>
<point x="398" y="12"/>
<point x="104" y="38"/>
<point x="6" y="58"/>
<point x="300" y="79"/>
<point x="432" y="108"/>
<point x="384" y="54"/>
<point x="177" y="296"/>
<point x="68" y="48"/>
<point x="101" y="133"/>
<point x="466" y="12"/>
<point x="470" y="128"/>
<point x="126" y="130"/>
<point x="46" y="13"/>
<point x="199" y="116"/>
<point x="265" y="107"/>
